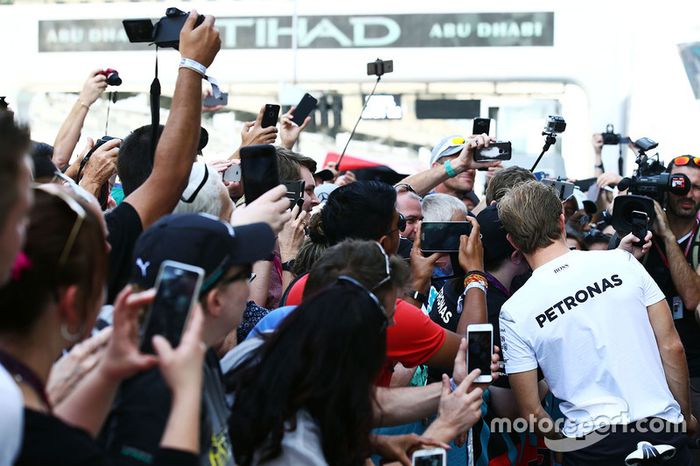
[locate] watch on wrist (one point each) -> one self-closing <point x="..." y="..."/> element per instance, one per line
<point x="288" y="265"/>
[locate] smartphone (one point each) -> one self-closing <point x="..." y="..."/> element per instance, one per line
<point x="640" y="220"/>
<point x="480" y="350"/>
<point x="563" y="189"/>
<point x="442" y="236"/>
<point x="270" y="115"/>
<point x="177" y="288"/>
<point x="499" y="150"/>
<point x="306" y="105"/>
<point x="258" y="170"/>
<point x="295" y="191"/>
<point x="233" y="173"/>
<point x="481" y="126"/>
<point x="212" y="101"/>
<point x="429" y="457"/>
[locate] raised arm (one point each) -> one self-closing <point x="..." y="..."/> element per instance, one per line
<point x="177" y="146"/>
<point x="423" y="182"/>
<point x="68" y="135"/>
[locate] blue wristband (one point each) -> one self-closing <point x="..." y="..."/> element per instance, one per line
<point x="449" y="170"/>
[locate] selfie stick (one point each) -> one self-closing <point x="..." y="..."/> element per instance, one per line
<point x="549" y="140"/>
<point x="352" y="133"/>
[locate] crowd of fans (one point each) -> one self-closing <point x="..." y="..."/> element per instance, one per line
<point x="323" y="334"/>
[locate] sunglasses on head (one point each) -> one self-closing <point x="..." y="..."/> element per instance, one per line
<point x="80" y="216"/>
<point x="372" y="296"/>
<point x="683" y="160"/>
<point x="386" y="265"/>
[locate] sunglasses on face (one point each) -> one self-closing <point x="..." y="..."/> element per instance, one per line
<point x="683" y="160"/>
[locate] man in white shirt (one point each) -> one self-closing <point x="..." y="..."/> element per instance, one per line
<point x="601" y="331"/>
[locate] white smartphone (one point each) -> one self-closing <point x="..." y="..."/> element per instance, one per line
<point x="430" y="457"/>
<point x="177" y="289"/>
<point x="480" y="350"/>
<point x="233" y="173"/>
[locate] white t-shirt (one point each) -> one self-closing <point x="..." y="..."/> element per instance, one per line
<point x="583" y="319"/>
<point x="11" y="418"/>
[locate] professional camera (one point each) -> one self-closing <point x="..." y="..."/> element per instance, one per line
<point x="165" y="33"/>
<point x="650" y="182"/>
<point x="380" y="67"/>
<point x="112" y="76"/>
<point x="611" y="138"/>
<point x="555" y="125"/>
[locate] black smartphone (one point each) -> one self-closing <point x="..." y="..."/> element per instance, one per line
<point x="442" y="236"/>
<point x="270" y="115"/>
<point x="306" y="105"/>
<point x="481" y="126"/>
<point x="479" y="350"/>
<point x="177" y="288"/>
<point x="295" y="191"/>
<point x="212" y="101"/>
<point x="640" y="220"/>
<point x="258" y="170"/>
<point x="499" y="150"/>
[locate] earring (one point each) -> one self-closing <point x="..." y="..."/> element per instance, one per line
<point x="68" y="336"/>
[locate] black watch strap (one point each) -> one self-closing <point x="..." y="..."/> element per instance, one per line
<point x="287" y="266"/>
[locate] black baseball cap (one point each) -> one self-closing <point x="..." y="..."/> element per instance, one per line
<point x="201" y="240"/>
<point x="493" y="236"/>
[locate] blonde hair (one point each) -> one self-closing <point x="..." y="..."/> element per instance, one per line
<point x="530" y="213"/>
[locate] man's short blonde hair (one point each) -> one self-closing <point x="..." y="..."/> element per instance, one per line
<point x="531" y="212"/>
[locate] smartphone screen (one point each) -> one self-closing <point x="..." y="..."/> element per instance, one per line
<point x="563" y="189"/>
<point x="495" y="151"/>
<point x="270" y="115"/>
<point x="481" y="126"/>
<point x="258" y="170"/>
<point x="306" y="105"/>
<point x="433" y="459"/>
<point x="177" y="287"/>
<point x="479" y="352"/>
<point x="443" y="236"/>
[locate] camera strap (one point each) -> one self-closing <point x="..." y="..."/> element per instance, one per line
<point x="155" y="110"/>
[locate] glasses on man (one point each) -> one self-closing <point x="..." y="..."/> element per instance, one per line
<point x="80" y="216"/>
<point x="684" y="160"/>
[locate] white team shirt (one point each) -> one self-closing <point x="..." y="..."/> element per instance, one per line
<point x="583" y="319"/>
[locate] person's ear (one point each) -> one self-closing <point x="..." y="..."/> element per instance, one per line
<point x="213" y="303"/>
<point x="562" y="224"/>
<point x="383" y="241"/>
<point x="69" y="309"/>
<point x="510" y="240"/>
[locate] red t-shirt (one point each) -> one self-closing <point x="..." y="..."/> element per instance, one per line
<point x="412" y="340"/>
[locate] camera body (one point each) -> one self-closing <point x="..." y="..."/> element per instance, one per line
<point x="165" y="33"/>
<point x="649" y="183"/>
<point x="555" y="125"/>
<point x="380" y="67"/>
<point x="610" y="138"/>
<point x="112" y="76"/>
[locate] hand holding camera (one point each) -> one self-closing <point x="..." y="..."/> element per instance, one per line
<point x="466" y="160"/>
<point x="199" y="43"/>
<point x="471" y="251"/>
<point x="254" y="133"/>
<point x="93" y="88"/>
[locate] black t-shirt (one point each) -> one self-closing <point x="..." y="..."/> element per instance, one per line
<point x="684" y="319"/>
<point x="49" y="441"/>
<point x="124" y="227"/>
<point x="136" y="424"/>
